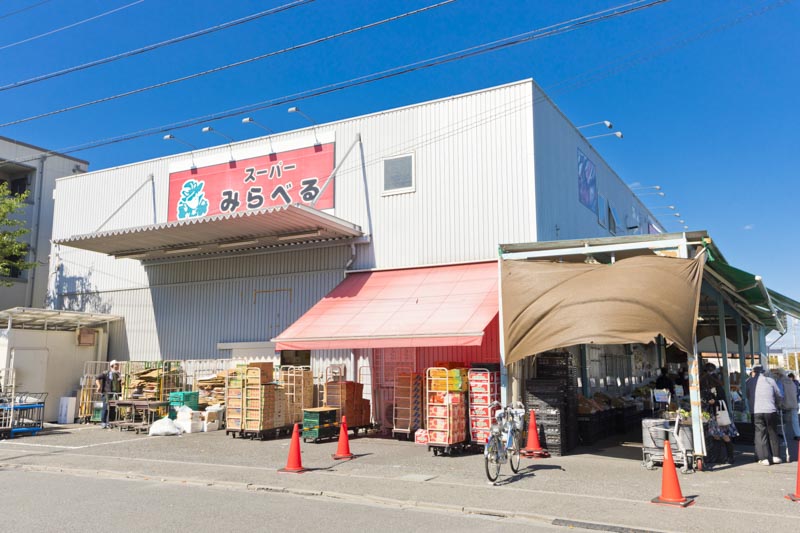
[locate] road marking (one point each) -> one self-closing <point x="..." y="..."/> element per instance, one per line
<point x="61" y="447"/>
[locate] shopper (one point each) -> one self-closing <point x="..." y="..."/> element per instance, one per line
<point x="764" y="397"/>
<point x="109" y="386"/>
<point x="682" y="380"/>
<point x="788" y="409"/>
<point x="664" y="382"/>
<point x="712" y="391"/>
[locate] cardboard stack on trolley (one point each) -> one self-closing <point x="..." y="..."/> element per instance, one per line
<point x="446" y="395"/>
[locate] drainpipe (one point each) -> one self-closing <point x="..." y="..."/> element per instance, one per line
<point x="34" y="242"/>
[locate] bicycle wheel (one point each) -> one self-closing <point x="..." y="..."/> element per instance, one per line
<point x="492" y="458"/>
<point x="514" y="454"/>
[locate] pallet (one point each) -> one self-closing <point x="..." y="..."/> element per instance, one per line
<point x="448" y="449"/>
<point x="264" y="434"/>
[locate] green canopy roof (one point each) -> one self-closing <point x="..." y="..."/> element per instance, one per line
<point x="747" y="290"/>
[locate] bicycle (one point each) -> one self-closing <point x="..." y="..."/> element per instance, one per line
<point x="503" y="444"/>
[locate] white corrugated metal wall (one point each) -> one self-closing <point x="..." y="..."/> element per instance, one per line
<point x="560" y="214"/>
<point x="473" y="158"/>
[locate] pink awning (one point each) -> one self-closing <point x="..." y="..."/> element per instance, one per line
<point x="431" y="306"/>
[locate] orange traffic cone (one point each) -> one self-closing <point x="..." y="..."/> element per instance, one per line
<point x="343" y="450"/>
<point x="670" y="488"/>
<point x="294" y="464"/>
<point x="534" y="448"/>
<point x="796" y="496"/>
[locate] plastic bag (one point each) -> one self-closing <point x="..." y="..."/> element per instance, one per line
<point x="164" y="427"/>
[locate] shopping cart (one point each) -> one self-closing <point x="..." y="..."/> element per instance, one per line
<point x="25" y="411"/>
<point x="655" y="431"/>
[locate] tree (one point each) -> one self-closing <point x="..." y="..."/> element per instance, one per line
<point x="12" y="250"/>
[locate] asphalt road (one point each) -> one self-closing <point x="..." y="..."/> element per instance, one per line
<point x="44" y="502"/>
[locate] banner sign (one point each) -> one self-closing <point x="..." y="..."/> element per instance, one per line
<point x="587" y="182"/>
<point x="295" y="176"/>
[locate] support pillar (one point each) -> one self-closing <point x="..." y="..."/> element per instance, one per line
<point x="585" y="389"/>
<point x="742" y="365"/>
<point x="723" y="346"/>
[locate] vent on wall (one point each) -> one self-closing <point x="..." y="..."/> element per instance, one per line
<point x="86" y="337"/>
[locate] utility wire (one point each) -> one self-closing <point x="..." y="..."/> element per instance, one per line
<point x="225" y="67"/>
<point x="69" y="26"/>
<point x="541" y="33"/>
<point x="21" y="10"/>
<point x="632" y="60"/>
<point x="150" y="47"/>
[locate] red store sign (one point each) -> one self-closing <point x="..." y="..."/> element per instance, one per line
<point x="296" y="176"/>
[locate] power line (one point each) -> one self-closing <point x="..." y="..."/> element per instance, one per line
<point x="23" y="9"/>
<point x="225" y="67"/>
<point x="639" y="58"/>
<point x="541" y="33"/>
<point x="150" y="47"/>
<point x="69" y="26"/>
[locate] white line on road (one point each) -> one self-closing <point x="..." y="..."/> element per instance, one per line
<point x="9" y="442"/>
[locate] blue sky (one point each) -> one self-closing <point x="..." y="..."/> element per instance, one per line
<point x="704" y="92"/>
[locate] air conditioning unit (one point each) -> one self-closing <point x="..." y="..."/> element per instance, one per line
<point x="86" y="337"/>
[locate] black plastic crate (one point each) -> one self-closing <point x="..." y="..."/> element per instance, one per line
<point x="552" y="360"/>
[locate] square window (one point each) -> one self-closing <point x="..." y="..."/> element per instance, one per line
<point x="398" y="174"/>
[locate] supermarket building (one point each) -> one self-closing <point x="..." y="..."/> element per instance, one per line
<point x="220" y="252"/>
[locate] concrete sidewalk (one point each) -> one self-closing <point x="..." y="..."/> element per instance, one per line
<point x="598" y="486"/>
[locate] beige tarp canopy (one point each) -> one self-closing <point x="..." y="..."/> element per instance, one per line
<point x="547" y="305"/>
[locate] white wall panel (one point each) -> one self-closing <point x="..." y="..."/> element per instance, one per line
<point x="475" y="187"/>
<point x="559" y="212"/>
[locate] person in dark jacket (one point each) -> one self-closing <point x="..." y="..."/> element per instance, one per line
<point x="664" y="382"/>
<point x="712" y="391"/>
<point x="109" y="386"/>
<point x="764" y="396"/>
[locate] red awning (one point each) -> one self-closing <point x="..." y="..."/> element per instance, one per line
<point x="431" y="306"/>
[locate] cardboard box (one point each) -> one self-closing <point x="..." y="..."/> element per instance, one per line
<point x="421" y="436"/>
<point x="482" y="411"/>
<point x="480" y="399"/>
<point x="189" y="426"/>
<point x="479" y="436"/>
<point x="188" y="416"/>
<point x="483" y="387"/>
<point x="491" y="377"/>
<point x="211" y="426"/>
<point x="480" y="423"/>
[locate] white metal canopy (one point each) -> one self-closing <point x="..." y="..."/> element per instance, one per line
<point x="52" y="319"/>
<point x="263" y="228"/>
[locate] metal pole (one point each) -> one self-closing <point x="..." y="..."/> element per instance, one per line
<point x="723" y="346"/>
<point x="661" y="349"/>
<point x="762" y="346"/>
<point x="742" y="365"/>
<point x="504" y="390"/>
<point x="694" y="401"/>
<point x="585" y="389"/>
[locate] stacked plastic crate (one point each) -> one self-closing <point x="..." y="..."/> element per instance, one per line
<point x="180" y="398"/>
<point x="553" y="395"/>
<point x="484" y="389"/>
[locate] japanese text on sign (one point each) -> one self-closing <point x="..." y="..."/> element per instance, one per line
<point x="296" y="176"/>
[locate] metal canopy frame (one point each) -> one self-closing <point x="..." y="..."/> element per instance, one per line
<point x="270" y="228"/>
<point x="761" y="313"/>
<point x="51" y="319"/>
